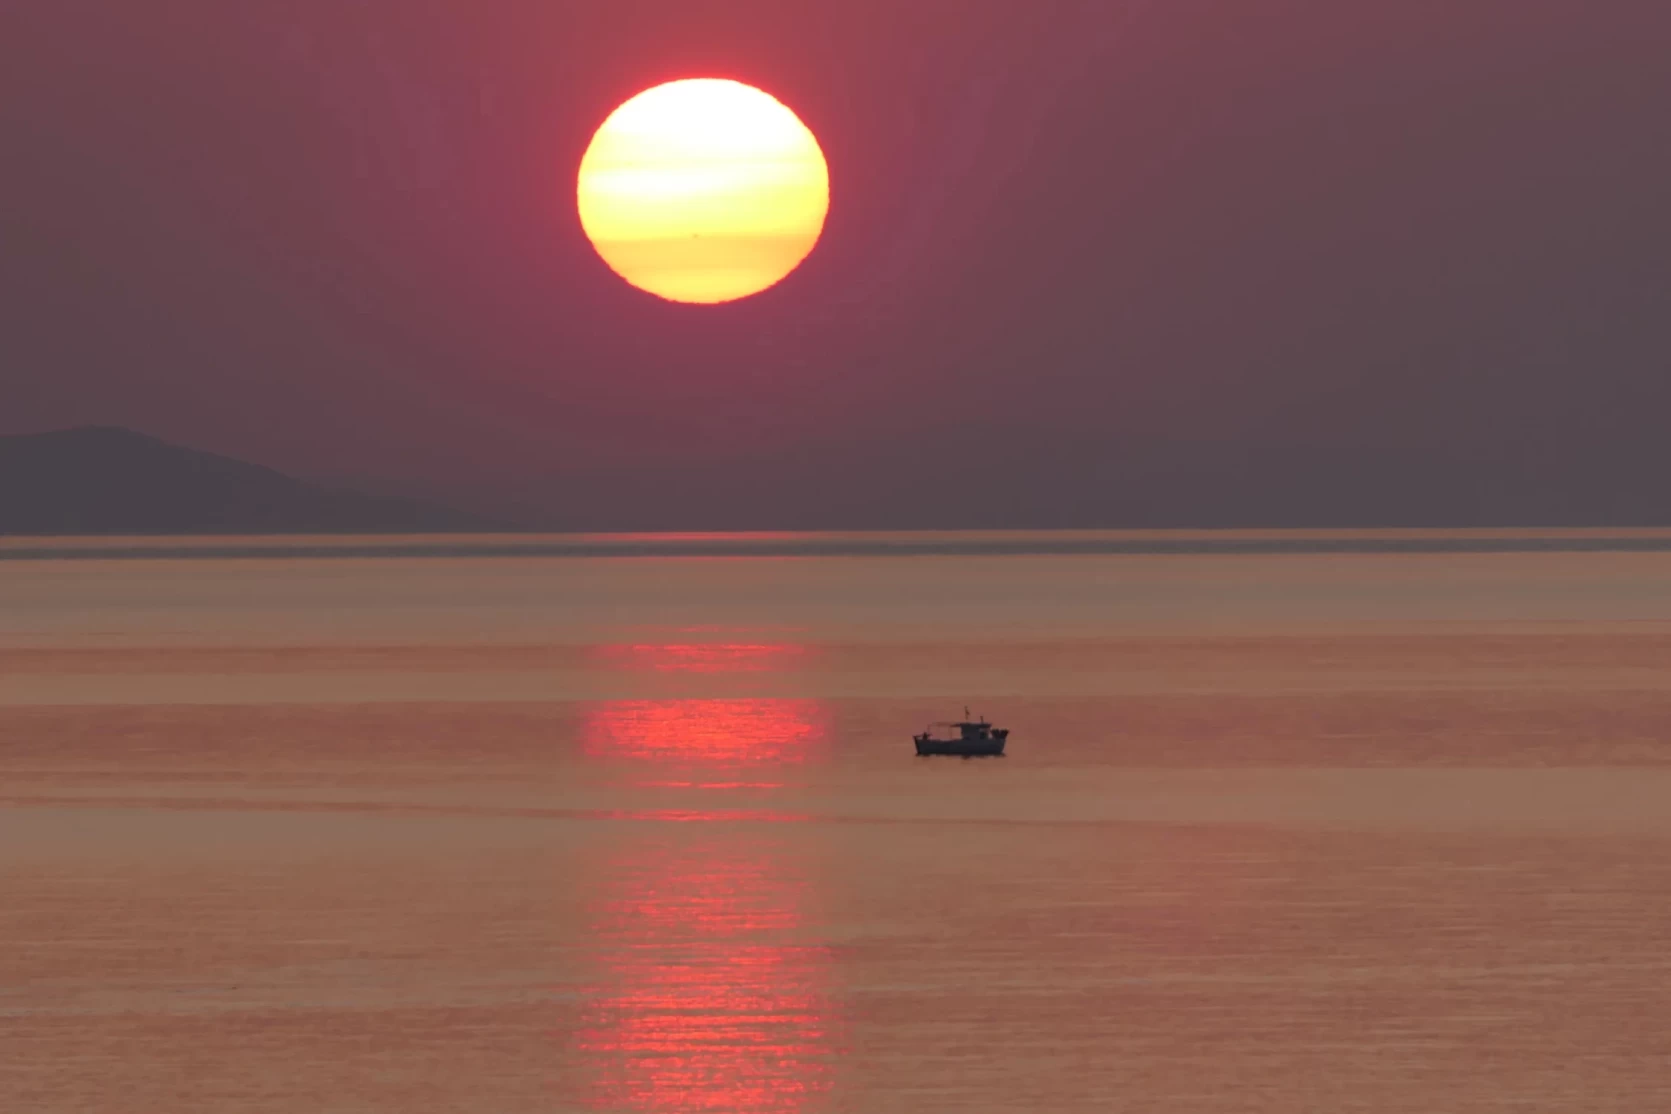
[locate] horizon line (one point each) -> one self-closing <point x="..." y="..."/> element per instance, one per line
<point x="1065" y="542"/>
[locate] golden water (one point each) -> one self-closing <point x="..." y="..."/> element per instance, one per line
<point x="1277" y="833"/>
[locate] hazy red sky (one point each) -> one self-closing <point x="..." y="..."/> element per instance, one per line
<point x="1106" y="262"/>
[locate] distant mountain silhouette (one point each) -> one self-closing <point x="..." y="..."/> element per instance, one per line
<point x="107" y="480"/>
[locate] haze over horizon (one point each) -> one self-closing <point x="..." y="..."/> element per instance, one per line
<point x="1131" y="265"/>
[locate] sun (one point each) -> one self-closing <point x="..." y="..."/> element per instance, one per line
<point x="703" y="190"/>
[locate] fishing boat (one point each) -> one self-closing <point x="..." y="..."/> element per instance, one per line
<point x="966" y="738"/>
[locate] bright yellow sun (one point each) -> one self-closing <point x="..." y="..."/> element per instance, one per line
<point x="703" y="191"/>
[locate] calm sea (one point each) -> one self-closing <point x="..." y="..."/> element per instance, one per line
<point x="1367" y="822"/>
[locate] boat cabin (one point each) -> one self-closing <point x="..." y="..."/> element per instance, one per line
<point x="968" y="731"/>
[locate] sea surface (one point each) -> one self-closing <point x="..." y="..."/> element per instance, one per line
<point x="1290" y="823"/>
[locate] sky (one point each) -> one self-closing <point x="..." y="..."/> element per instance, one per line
<point x="1104" y="263"/>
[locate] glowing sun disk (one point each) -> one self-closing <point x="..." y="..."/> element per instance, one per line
<point x="703" y="190"/>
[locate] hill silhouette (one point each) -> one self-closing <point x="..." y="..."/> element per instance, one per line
<point x="109" y="480"/>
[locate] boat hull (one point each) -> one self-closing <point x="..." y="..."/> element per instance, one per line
<point x="957" y="748"/>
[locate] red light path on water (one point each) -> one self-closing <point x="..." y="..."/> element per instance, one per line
<point x="709" y="1002"/>
<point x="745" y="732"/>
<point x="704" y="657"/>
<point x="708" y="997"/>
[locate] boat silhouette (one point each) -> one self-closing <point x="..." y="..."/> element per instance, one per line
<point x="973" y="738"/>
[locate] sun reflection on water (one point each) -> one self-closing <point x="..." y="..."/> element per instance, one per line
<point x="747" y="732"/>
<point x="704" y="657"/>
<point x="710" y="997"/>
